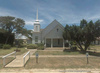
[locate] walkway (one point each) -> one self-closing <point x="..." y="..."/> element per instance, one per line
<point x="54" y="48"/>
<point x="51" y="71"/>
<point x="18" y="62"/>
<point x="63" y="56"/>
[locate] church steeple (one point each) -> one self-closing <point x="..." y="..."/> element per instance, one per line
<point x="37" y="15"/>
<point x="36" y="23"/>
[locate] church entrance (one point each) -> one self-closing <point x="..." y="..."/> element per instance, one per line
<point x="55" y="42"/>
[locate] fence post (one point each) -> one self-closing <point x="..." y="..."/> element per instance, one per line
<point x="29" y="55"/>
<point x="23" y="60"/>
<point x="4" y="62"/>
<point x="4" y="57"/>
<point x="15" y="54"/>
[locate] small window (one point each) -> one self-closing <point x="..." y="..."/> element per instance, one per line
<point x="36" y="38"/>
<point x="58" y="41"/>
<point x="36" y="28"/>
<point x="57" y="29"/>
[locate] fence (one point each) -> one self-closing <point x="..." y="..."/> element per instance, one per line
<point x="28" y="53"/>
<point x="4" y="57"/>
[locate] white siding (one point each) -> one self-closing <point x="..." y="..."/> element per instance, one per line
<point x="33" y="37"/>
<point x="54" y="33"/>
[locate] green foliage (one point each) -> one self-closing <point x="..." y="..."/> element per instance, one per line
<point x="6" y="46"/>
<point x="10" y="24"/>
<point x="32" y="46"/>
<point x="40" y="46"/>
<point x="26" y="33"/>
<point x="1" y="46"/>
<point x="83" y="34"/>
<point x="22" y="45"/>
<point x="83" y="23"/>
<point x="4" y="35"/>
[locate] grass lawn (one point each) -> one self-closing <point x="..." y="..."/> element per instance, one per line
<point x="7" y="60"/>
<point x="63" y="63"/>
<point x="7" y="51"/>
<point x="97" y="47"/>
<point x="57" y="53"/>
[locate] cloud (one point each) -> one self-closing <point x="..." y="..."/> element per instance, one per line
<point x="31" y="22"/>
<point x="65" y="11"/>
<point x="6" y="12"/>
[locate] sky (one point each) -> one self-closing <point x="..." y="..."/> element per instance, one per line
<point x="65" y="11"/>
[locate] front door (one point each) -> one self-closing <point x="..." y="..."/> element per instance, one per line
<point x="57" y="42"/>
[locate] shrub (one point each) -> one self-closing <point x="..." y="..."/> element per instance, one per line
<point x="40" y="46"/>
<point x="6" y="46"/>
<point x="32" y="46"/>
<point x="22" y="45"/>
<point x="1" y="46"/>
<point x="74" y="48"/>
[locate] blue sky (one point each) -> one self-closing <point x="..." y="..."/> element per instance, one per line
<point x="65" y="11"/>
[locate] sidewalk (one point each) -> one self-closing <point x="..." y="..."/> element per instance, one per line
<point x="51" y="71"/>
<point x="18" y="62"/>
<point x="63" y="56"/>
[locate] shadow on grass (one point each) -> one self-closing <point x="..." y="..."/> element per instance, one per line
<point x="91" y="53"/>
<point x="83" y="52"/>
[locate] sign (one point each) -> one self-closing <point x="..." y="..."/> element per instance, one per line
<point x="36" y="54"/>
<point x="87" y="54"/>
<point x="87" y="57"/>
<point x="36" y="57"/>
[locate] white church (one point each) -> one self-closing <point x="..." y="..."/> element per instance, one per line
<point x="51" y="36"/>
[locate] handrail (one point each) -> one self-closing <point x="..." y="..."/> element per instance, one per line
<point x="25" y="56"/>
<point x="7" y="56"/>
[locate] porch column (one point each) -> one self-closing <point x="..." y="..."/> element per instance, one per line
<point x="63" y="43"/>
<point x="51" y="42"/>
<point x="45" y="42"/>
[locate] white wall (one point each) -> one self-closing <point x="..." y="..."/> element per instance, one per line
<point x="33" y="37"/>
<point x="36" y="27"/>
<point x="54" y="34"/>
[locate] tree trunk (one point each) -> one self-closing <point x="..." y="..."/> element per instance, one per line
<point x="7" y="39"/>
<point x="80" y="46"/>
<point x="86" y="45"/>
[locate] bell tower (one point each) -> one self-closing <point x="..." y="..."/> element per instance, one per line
<point x="37" y="23"/>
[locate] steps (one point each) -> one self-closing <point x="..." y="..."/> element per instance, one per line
<point x="54" y="48"/>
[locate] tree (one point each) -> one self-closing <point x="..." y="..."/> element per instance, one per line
<point x="11" y="24"/>
<point x="83" y="34"/>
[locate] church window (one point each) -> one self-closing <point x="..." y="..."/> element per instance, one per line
<point x="36" y="38"/>
<point x="58" y="41"/>
<point x="57" y="29"/>
<point x="36" y="28"/>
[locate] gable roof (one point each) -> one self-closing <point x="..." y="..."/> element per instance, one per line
<point x="51" y="26"/>
<point x="53" y="31"/>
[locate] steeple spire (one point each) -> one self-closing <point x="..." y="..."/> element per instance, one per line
<point x="37" y="15"/>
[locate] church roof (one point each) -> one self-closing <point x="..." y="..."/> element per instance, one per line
<point x="51" y="26"/>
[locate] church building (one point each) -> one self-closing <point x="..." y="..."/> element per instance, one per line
<point x="51" y="36"/>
